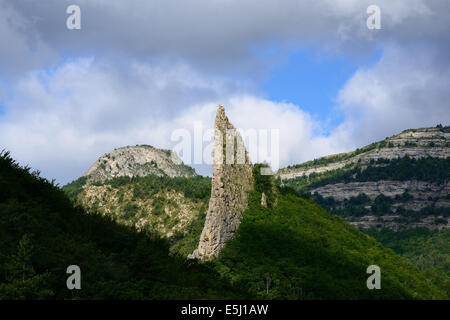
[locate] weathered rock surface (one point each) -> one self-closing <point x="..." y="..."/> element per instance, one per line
<point x="414" y="143"/>
<point x="231" y="181"/>
<point x="264" y="200"/>
<point x="397" y="223"/>
<point x="418" y="143"/>
<point x="420" y="190"/>
<point x="424" y="194"/>
<point x="138" y="161"/>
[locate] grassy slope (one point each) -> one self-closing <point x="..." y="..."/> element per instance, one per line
<point x="308" y="254"/>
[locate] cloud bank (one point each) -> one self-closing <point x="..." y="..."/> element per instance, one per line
<point x="138" y="70"/>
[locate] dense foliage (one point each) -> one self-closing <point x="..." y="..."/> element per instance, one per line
<point x="197" y="187"/>
<point x="294" y="250"/>
<point x="265" y="183"/>
<point x="427" y="249"/>
<point x="126" y="200"/>
<point x="443" y="128"/>
<point x="185" y="242"/>
<point x="297" y="250"/>
<point x="362" y="205"/>
<point x="41" y="234"/>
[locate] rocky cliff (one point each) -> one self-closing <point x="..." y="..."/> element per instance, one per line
<point x="139" y="161"/>
<point x="398" y="183"/>
<point x="414" y="143"/>
<point x="231" y="181"/>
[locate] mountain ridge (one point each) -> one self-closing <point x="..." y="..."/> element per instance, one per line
<point x="408" y="172"/>
<point x="433" y="141"/>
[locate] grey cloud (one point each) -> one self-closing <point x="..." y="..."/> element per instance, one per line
<point x="61" y="121"/>
<point x="21" y="46"/>
<point x="218" y="35"/>
<point x="148" y="61"/>
<point x="401" y="91"/>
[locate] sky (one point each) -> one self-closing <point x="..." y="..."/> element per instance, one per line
<point x="139" y="70"/>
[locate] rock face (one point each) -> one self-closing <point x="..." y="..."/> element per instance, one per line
<point x="264" y="200"/>
<point x="231" y="181"/>
<point x="419" y="190"/>
<point x="414" y="143"/>
<point x="423" y="194"/>
<point x="397" y="222"/>
<point x="412" y="203"/>
<point x="138" y="161"/>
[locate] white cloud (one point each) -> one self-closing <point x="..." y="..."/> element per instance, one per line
<point x="401" y="91"/>
<point x="81" y="109"/>
<point x="159" y="66"/>
<point x="61" y="121"/>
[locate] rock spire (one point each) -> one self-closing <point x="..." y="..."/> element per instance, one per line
<point x="231" y="181"/>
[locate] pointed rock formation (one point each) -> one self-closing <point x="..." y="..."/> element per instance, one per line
<point x="231" y="181"/>
<point x="264" y="200"/>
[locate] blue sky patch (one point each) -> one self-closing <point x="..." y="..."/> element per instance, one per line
<point x="312" y="81"/>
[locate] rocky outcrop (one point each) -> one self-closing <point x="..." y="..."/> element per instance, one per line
<point x="423" y="194"/>
<point x="231" y="181"/>
<point x="138" y="161"/>
<point x="420" y="190"/>
<point x="414" y="143"/>
<point x="410" y="203"/>
<point x="264" y="200"/>
<point x="398" y="223"/>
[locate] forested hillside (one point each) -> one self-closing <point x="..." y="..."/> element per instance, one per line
<point x="396" y="190"/>
<point x="291" y="249"/>
<point x="174" y="208"/>
<point x="295" y="249"/>
<point x="42" y="233"/>
<point x="426" y="249"/>
<point x="398" y="183"/>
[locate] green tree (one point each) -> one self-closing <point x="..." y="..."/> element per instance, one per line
<point x="21" y="267"/>
<point x="24" y="283"/>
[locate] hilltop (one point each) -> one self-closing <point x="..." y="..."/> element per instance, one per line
<point x="147" y="188"/>
<point x="140" y="160"/>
